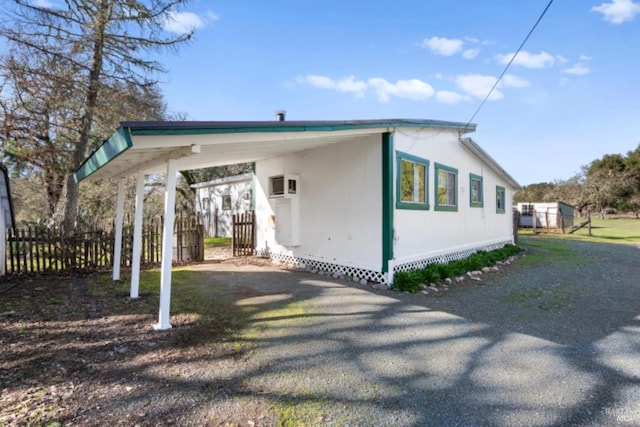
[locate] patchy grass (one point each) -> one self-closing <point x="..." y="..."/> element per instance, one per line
<point x="616" y="230"/>
<point x="215" y="242"/>
<point x="302" y="411"/>
<point x="548" y="298"/>
<point x="544" y="248"/>
<point x="79" y="351"/>
<point x="191" y="300"/>
<point x="622" y="230"/>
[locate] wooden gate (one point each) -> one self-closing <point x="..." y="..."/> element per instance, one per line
<point x="243" y="234"/>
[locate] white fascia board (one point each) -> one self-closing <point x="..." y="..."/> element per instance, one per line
<point x="226" y="180"/>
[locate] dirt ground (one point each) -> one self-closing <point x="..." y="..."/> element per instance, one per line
<point x="74" y="356"/>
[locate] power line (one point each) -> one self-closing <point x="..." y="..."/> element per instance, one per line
<point x="510" y="62"/>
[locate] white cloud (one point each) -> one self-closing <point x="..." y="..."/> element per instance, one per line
<point x="529" y="60"/>
<point x="443" y="46"/>
<point x="509" y="80"/>
<point x="618" y="11"/>
<point x="470" y="53"/>
<point x="448" y="97"/>
<point x="212" y="16"/>
<point x="322" y="82"/>
<point x="345" y="85"/>
<point x="578" y="69"/>
<point x="410" y="89"/>
<point x="585" y="58"/>
<point x="478" y="86"/>
<point x="182" y="22"/>
<point x="351" y="85"/>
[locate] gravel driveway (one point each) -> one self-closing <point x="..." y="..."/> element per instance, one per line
<point x="553" y="339"/>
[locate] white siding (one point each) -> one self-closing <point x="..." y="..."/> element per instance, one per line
<point x="340" y="203"/>
<point x="425" y="233"/>
<point x="216" y="220"/>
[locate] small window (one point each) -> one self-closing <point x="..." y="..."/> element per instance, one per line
<point x="500" y="199"/>
<point x="412" y="182"/>
<point x="206" y="204"/>
<point x="276" y="185"/>
<point x="226" y="202"/>
<point x="446" y="187"/>
<point x="526" y="210"/>
<point x="476" y="198"/>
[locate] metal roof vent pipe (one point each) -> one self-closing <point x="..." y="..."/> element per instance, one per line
<point x="280" y="115"/>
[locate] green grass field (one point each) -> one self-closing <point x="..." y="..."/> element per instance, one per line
<point x="214" y="242"/>
<point x="620" y="230"/>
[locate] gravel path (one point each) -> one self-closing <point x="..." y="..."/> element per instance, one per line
<point x="553" y="339"/>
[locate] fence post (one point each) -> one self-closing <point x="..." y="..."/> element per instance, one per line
<point x="534" y="221"/>
<point x="516" y="225"/>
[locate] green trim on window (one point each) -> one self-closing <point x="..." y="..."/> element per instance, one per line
<point x="477" y="203"/>
<point x="438" y="206"/>
<point x="419" y="162"/>
<point x="387" y="200"/>
<point x="501" y="199"/>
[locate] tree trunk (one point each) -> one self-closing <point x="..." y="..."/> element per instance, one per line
<point x="71" y="207"/>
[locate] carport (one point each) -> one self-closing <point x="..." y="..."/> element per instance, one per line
<point x="142" y="148"/>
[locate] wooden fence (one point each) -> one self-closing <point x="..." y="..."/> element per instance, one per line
<point x="41" y="250"/>
<point x="243" y="234"/>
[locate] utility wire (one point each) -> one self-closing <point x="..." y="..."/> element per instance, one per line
<point x="509" y="64"/>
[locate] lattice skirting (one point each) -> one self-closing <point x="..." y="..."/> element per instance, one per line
<point x="371" y="275"/>
<point x="445" y="258"/>
<point x="354" y="272"/>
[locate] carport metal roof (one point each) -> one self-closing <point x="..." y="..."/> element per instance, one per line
<point x="147" y="146"/>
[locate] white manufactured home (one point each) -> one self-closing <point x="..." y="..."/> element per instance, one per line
<point x="383" y="203"/>
<point x="219" y="199"/>
<point x="367" y="198"/>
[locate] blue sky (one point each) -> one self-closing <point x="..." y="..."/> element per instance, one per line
<point x="570" y="97"/>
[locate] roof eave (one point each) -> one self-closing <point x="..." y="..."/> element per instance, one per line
<point x="117" y="144"/>
<point x="470" y="145"/>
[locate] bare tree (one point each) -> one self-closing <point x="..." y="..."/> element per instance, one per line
<point x="104" y="41"/>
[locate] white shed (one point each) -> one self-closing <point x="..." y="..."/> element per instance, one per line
<point x="367" y="198"/>
<point x="219" y="199"/>
<point x="555" y="215"/>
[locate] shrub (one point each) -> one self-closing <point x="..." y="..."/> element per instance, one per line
<point x="431" y="273"/>
<point x="409" y="281"/>
<point x="406" y="281"/>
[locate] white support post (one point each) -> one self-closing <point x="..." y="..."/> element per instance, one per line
<point x="167" y="247"/>
<point x="117" y="251"/>
<point x="137" y="237"/>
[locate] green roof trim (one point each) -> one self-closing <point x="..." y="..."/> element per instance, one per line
<point x="118" y="143"/>
<point x="204" y="128"/>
